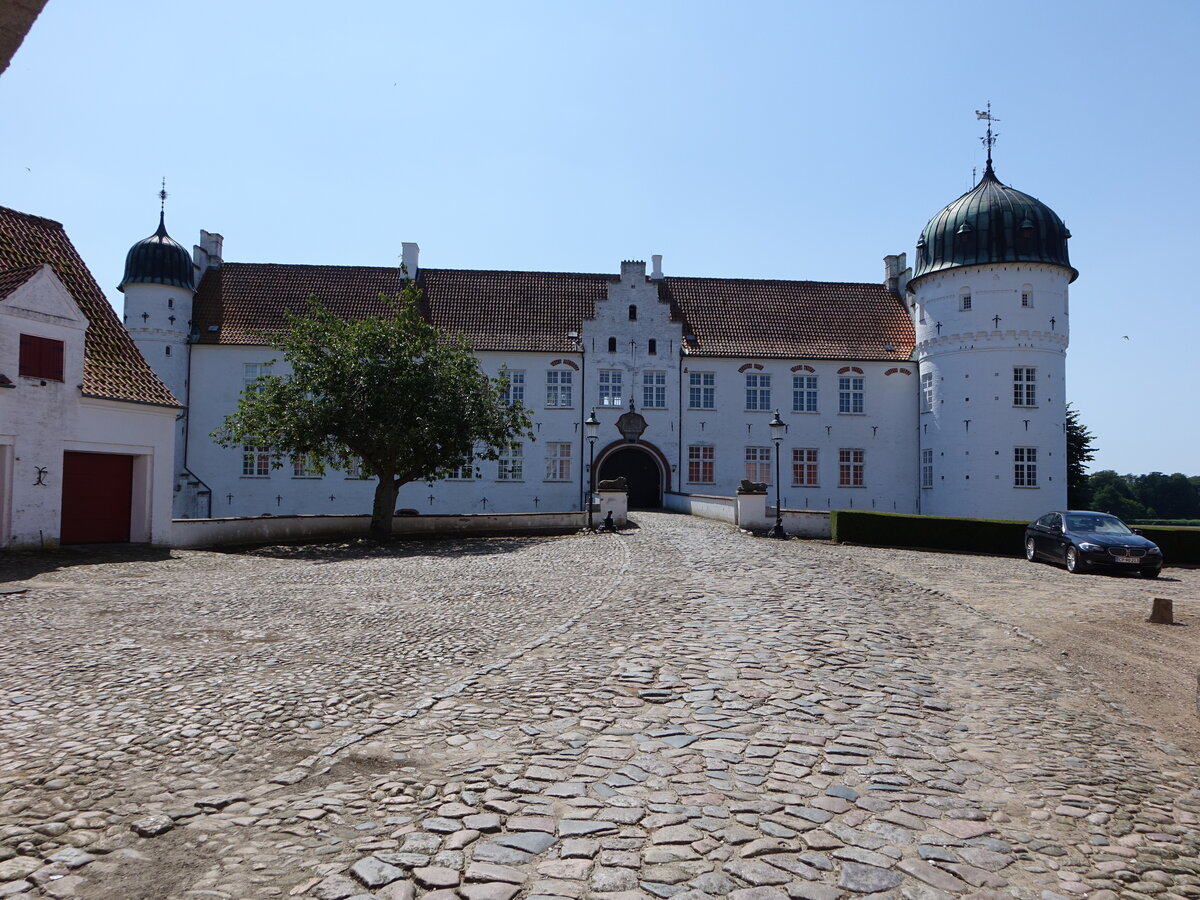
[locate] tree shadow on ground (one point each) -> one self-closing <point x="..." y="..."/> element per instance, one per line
<point x="399" y="547"/>
<point x="20" y="565"/>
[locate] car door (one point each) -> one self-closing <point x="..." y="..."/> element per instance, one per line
<point x="1059" y="541"/>
<point x="1044" y="531"/>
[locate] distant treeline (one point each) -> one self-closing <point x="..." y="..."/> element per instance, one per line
<point x="1153" y="496"/>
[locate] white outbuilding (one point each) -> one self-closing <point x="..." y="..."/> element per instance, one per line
<point x="86" y="427"/>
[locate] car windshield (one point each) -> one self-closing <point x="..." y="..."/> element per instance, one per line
<point x="1097" y="524"/>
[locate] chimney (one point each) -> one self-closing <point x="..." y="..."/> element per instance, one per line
<point x="896" y="272"/>
<point x="656" y="272"/>
<point x="207" y="254"/>
<point x="410" y="253"/>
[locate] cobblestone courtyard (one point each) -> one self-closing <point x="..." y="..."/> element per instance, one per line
<point x="678" y="711"/>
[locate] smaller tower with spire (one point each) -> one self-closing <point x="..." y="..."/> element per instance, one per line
<point x="159" y="286"/>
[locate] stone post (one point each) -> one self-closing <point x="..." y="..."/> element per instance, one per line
<point x="618" y="502"/>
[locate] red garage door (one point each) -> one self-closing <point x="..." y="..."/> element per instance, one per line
<point x="97" y="488"/>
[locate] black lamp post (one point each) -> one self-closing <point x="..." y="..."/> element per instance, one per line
<point x="778" y="429"/>
<point x="591" y="428"/>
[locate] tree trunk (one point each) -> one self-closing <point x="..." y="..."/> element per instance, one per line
<point x="384" y="507"/>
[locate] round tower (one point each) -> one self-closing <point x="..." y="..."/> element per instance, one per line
<point x="159" y="285"/>
<point x="989" y="303"/>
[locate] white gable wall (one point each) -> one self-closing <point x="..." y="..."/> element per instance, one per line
<point x="40" y="419"/>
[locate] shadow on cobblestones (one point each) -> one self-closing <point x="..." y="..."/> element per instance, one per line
<point x="397" y="548"/>
<point x="17" y="565"/>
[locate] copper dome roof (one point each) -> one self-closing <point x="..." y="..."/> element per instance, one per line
<point x="158" y="260"/>
<point x="992" y="223"/>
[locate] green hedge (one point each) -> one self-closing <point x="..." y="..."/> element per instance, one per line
<point x="1180" y="546"/>
<point x="928" y="532"/>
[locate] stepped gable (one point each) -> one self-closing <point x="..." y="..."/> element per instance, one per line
<point x="112" y="368"/>
<point x="791" y="319"/>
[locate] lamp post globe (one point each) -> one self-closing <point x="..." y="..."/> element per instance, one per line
<point x="591" y="430"/>
<point x="778" y="430"/>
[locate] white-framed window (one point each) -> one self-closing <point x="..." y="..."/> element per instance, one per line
<point x="1025" y="467"/>
<point x="758" y="391"/>
<point x="850" y="467"/>
<point x="514" y="388"/>
<point x="256" y="461"/>
<point x="467" y="472"/>
<point x="926" y="468"/>
<point x="700" y="464"/>
<point x="964" y="299"/>
<point x="702" y="390"/>
<point x="926" y="392"/>
<point x="1027" y="296"/>
<point x="654" y="390"/>
<point x="850" y="394"/>
<point x="610" y="387"/>
<point x="758" y="464"/>
<point x="558" y="389"/>
<point x="1024" y="386"/>
<point x="804" y="467"/>
<point x="251" y="372"/>
<point x="558" y="461"/>
<point x="305" y="466"/>
<point x="511" y="463"/>
<point x="804" y="393"/>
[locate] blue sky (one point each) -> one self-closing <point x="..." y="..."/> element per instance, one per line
<point x="764" y="139"/>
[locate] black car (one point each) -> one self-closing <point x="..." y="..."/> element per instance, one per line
<point x="1084" y="540"/>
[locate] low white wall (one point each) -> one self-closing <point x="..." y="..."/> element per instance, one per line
<point x="706" y="506"/>
<point x="193" y="533"/>
<point x="804" y="523"/>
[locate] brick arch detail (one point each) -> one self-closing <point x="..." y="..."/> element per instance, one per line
<point x="664" y="466"/>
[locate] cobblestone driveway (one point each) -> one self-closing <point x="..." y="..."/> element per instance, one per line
<point x="679" y="711"/>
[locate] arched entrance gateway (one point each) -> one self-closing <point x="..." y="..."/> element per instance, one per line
<point x="644" y="470"/>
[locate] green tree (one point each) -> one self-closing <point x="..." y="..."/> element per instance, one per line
<point x="1112" y="493"/>
<point x="391" y="391"/>
<point x="1080" y="451"/>
<point x="1171" y="496"/>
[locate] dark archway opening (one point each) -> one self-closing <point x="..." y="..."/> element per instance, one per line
<point x="641" y="474"/>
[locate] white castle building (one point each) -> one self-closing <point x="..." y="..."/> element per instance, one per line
<point x="937" y="391"/>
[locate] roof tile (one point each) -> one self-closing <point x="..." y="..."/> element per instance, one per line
<point x="535" y="311"/>
<point x="113" y="367"/>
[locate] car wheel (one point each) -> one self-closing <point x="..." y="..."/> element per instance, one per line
<point x="1030" y="551"/>
<point x="1076" y="564"/>
<point x="1150" y="573"/>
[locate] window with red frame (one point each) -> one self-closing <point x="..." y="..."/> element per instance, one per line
<point x="41" y="358"/>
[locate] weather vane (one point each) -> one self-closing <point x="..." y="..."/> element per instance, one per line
<point x="990" y="139"/>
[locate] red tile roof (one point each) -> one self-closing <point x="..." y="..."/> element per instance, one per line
<point x="112" y="366"/>
<point x="11" y="279"/>
<point x="534" y="311"/>
<point x="792" y="319"/>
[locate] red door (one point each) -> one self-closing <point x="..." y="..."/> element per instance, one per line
<point x="97" y="494"/>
